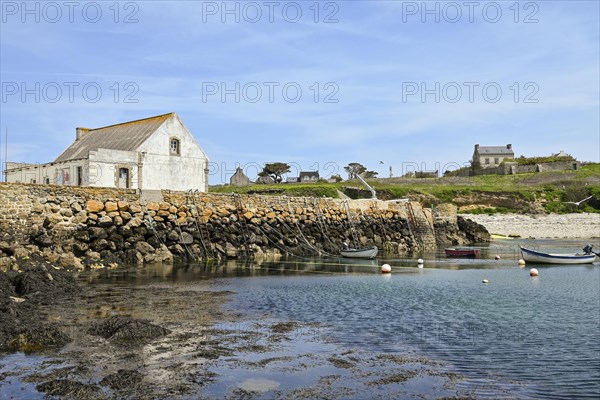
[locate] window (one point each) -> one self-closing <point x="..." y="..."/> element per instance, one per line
<point x="174" y="147"/>
<point x="47" y="180"/>
<point x="79" y="176"/>
<point x="487" y="160"/>
<point x="496" y="160"/>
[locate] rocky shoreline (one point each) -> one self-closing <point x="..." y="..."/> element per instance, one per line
<point x="555" y="226"/>
<point x="89" y="227"/>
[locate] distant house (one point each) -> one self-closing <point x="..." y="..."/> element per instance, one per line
<point x="491" y="156"/>
<point x="292" y="179"/>
<point x="239" y="179"/>
<point x="561" y="154"/>
<point x="265" y="180"/>
<point x="152" y="153"/>
<point x="426" y="174"/>
<point x="309" y="177"/>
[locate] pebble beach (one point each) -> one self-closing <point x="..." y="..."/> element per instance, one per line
<point x="560" y="226"/>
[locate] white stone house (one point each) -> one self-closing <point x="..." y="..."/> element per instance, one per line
<point x="150" y="154"/>
<point x="492" y="156"/>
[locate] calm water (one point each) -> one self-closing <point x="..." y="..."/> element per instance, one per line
<point x="516" y="337"/>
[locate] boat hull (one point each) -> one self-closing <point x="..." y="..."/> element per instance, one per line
<point x="462" y="252"/>
<point x="360" y="253"/>
<point x="537" y="257"/>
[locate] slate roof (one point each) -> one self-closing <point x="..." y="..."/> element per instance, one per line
<point x="309" y="174"/>
<point x="126" y="136"/>
<point x="487" y="150"/>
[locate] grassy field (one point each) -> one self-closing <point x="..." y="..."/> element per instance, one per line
<point x="544" y="191"/>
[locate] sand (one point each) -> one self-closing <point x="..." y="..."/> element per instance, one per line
<point x="562" y="226"/>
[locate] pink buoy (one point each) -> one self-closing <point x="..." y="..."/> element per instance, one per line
<point x="386" y="269"/>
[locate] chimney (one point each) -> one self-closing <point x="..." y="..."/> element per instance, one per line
<point x="509" y="146"/>
<point x="476" y="147"/>
<point x="79" y="132"/>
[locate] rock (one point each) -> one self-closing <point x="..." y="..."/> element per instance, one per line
<point x="93" y="256"/>
<point x="164" y="206"/>
<point x="80" y="218"/>
<point x="144" y="248"/>
<point x="122" y="379"/>
<point x="127" y="331"/>
<point x="94" y="206"/>
<point x="96" y="233"/>
<point x="105" y="221"/>
<point x="123" y="205"/>
<point x="99" y="245"/>
<point x="66" y="388"/>
<point x="231" y="250"/>
<point x="475" y="233"/>
<point x="76" y="207"/>
<point x="152" y="207"/>
<point x="66" y="212"/>
<point x="135" y="208"/>
<point x="52" y="219"/>
<point x="43" y="240"/>
<point x="110" y="206"/>
<point x="186" y="238"/>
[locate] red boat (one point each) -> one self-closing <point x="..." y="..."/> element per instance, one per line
<point x="462" y="252"/>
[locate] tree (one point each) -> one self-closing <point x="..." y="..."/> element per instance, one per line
<point x="370" y="174"/>
<point x="275" y="170"/>
<point x="354" y="169"/>
<point x="337" y="177"/>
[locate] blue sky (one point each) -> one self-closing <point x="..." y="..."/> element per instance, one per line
<point x="365" y="81"/>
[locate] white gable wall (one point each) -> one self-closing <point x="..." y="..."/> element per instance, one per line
<point x="161" y="170"/>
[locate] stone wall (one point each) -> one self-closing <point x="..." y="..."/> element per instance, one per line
<point x="93" y="226"/>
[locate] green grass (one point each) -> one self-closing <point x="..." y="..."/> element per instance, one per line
<point x="554" y="187"/>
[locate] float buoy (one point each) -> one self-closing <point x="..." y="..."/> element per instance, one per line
<point x="533" y="272"/>
<point x="497" y="257"/>
<point x="521" y="262"/>
<point x="485" y="281"/>
<point x="386" y="269"/>
<point x="420" y="261"/>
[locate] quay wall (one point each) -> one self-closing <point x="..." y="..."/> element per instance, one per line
<point x="78" y="227"/>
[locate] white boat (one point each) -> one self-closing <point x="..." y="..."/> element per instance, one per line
<point x="370" y="252"/>
<point x="533" y="256"/>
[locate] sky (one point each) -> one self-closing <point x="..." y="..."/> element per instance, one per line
<point x="316" y="84"/>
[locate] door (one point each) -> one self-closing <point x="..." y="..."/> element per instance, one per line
<point x="123" y="182"/>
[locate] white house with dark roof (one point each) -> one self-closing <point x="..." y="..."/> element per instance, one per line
<point x="149" y="154"/>
<point x="491" y="156"/>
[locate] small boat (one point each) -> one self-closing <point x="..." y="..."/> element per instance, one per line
<point x="370" y="252"/>
<point x="534" y="256"/>
<point x="462" y="252"/>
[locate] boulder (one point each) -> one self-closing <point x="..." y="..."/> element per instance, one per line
<point x="94" y="206"/>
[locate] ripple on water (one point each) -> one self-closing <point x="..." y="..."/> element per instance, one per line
<point x="530" y="337"/>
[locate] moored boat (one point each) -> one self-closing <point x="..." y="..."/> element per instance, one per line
<point x="533" y="256"/>
<point x="370" y="252"/>
<point x="462" y="252"/>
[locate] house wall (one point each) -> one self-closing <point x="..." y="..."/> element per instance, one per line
<point x="492" y="160"/>
<point x="239" y="179"/>
<point x="104" y="168"/>
<point x="161" y="170"/>
<point x="52" y="173"/>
